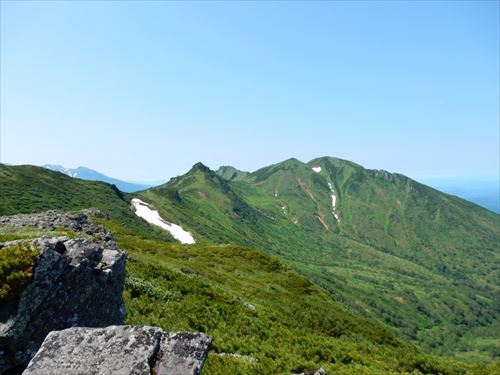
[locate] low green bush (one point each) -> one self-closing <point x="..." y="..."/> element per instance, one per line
<point x="16" y="268"/>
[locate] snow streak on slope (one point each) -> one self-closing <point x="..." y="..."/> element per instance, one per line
<point x="316" y="169"/>
<point x="143" y="210"/>
<point x="334" y="201"/>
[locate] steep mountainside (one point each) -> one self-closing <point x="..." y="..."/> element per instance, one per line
<point x="85" y="173"/>
<point x="423" y="262"/>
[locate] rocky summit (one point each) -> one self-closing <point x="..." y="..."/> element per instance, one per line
<point x="120" y="350"/>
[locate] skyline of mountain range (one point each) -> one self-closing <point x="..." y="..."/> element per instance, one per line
<point x="481" y="191"/>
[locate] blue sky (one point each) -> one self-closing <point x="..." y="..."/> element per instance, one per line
<point x="143" y="90"/>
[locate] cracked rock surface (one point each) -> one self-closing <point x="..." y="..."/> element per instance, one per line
<point x="121" y="350"/>
<point x="76" y="282"/>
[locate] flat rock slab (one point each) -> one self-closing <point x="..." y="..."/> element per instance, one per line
<point x="120" y="350"/>
<point x="182" y="353"/>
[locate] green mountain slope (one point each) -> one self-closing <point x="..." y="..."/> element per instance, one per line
<point x="264" y="317"/>
<point x="432" y="300"/>
<point x="28" y="189"/>
<point x="230" y="173"/>
<point x="207" y="205"/>
<point x="252" y="304"/>
<point x="423" y="262"/>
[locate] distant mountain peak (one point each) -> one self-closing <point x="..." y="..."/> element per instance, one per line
<point x="85" y="173"/>
<point x="201" y="167"/>
<point x="59" y="168"/>
<point x="291" y="161"/>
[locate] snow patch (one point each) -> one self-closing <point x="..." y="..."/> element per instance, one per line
<point x="316" y="169"/>
<point x="143" y="210"/>
<point x="334" y="202"/>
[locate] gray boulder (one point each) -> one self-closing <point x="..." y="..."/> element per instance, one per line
<point x="182" y="353"/>
<point x="120" y="350"/>
<point x="76" y="282"/>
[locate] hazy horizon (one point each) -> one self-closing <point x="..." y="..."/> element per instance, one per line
<point x="139" y="92"/>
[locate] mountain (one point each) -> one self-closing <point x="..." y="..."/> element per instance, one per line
<point x="89" y="174"/>
<point x="422" y="262"/>
<point x="264" y="317"/>
<point x="419" y="261"/>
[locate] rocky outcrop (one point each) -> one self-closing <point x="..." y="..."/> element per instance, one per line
<point x="76" y="222"/>
<point x="76" y="282"/>
<point x="123" y="350"/>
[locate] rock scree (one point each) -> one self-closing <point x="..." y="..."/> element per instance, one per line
<point x="120" y="350"/>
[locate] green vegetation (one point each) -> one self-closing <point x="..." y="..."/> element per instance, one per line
<point x="422" y="262"/>
<point x="254" y="305"/>
<point x="16" y="268"/>
<point x="28" y="189"/>
<point x="8" y="233"/>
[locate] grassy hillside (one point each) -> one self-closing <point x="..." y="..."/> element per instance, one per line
<point x="29" y="189"/>
<point x="420" y="261"/>
<point x="257" y="307"/>
<point x="264" y="317"/>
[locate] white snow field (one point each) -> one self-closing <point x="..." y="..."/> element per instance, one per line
<point x="143" y="210"/>
<point x="316" y="169"/>
<point x="334" y="201"/>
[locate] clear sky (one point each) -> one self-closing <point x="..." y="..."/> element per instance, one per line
<point x="143" y="90"/>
